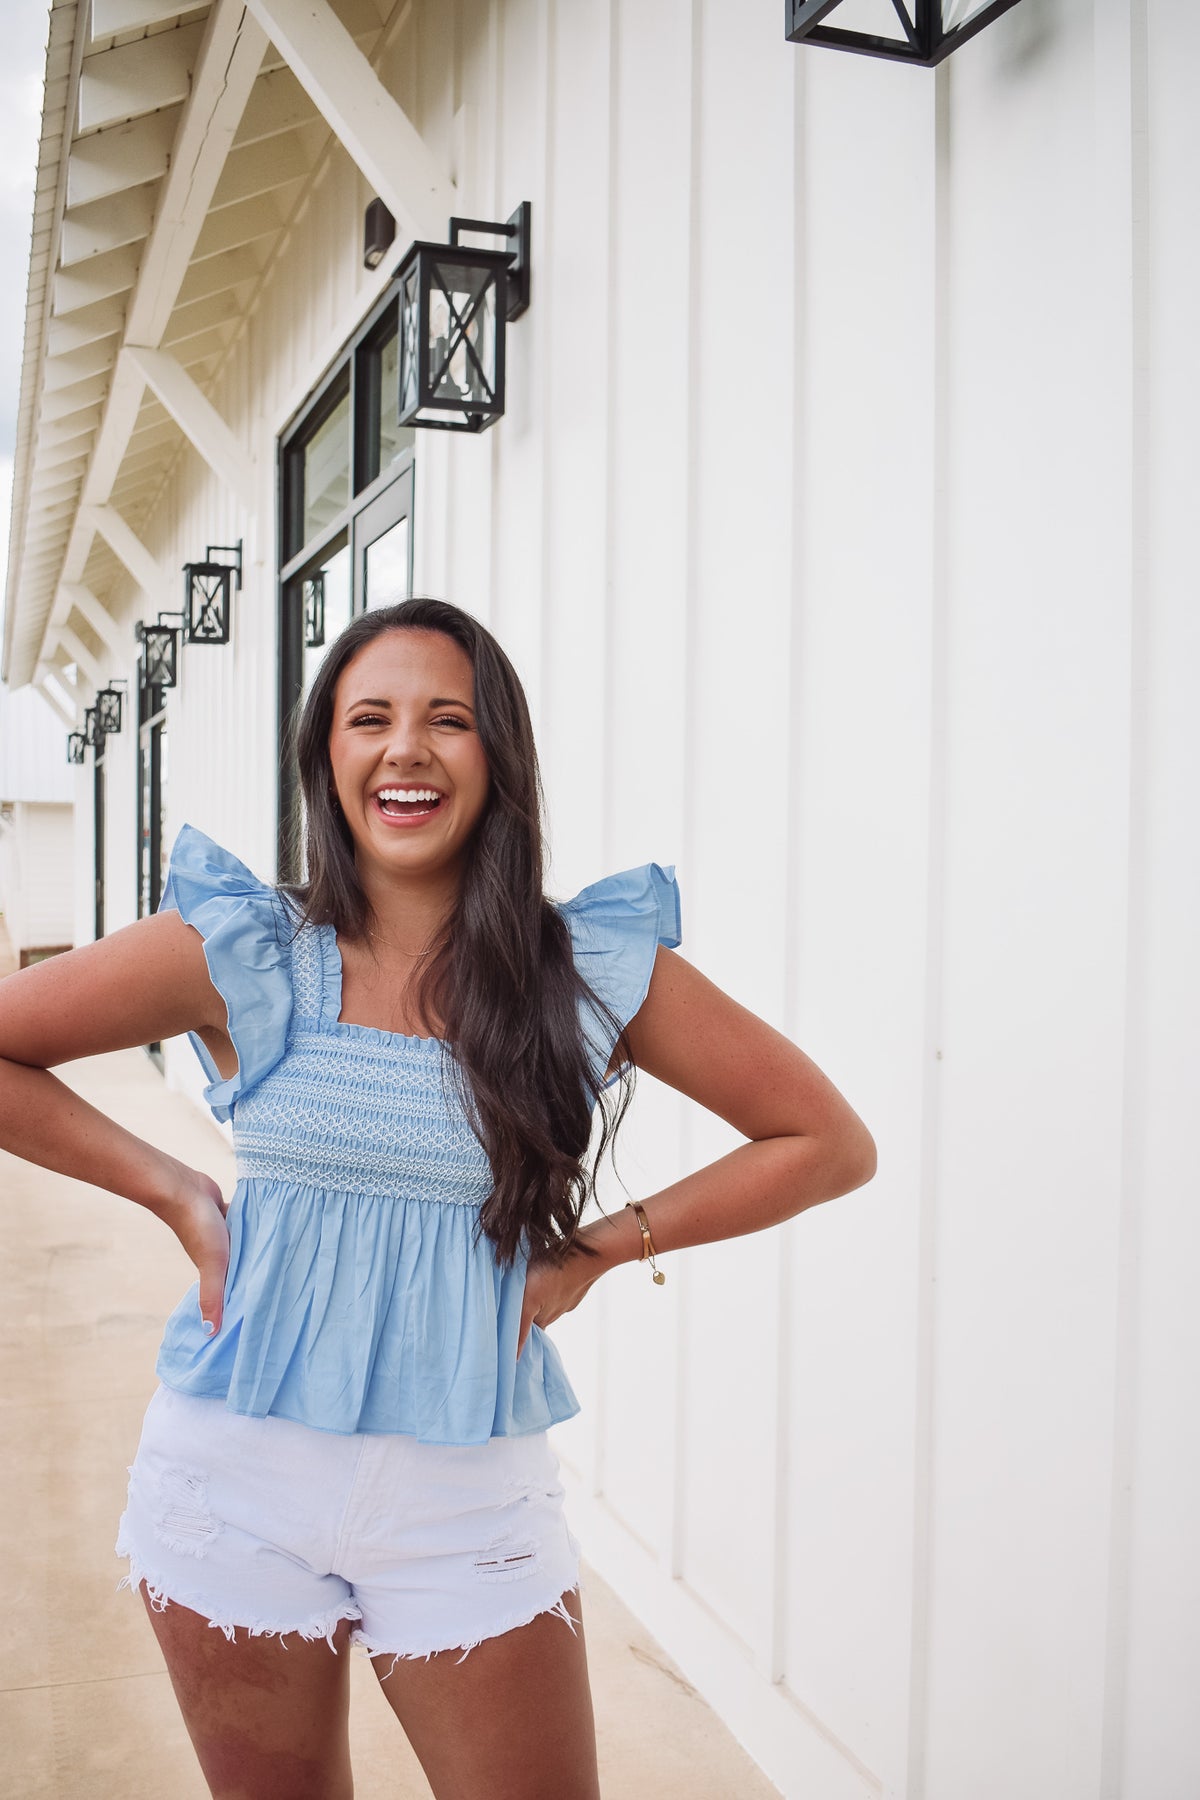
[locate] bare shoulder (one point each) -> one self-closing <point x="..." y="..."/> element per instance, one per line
<point x="698" y="1039"/>
<point x="145" y="982"/>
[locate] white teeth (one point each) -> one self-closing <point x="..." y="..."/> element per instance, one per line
<point x="408" y="794"/>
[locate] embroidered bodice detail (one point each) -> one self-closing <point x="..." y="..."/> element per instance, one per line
<point x="348" y="1106"/>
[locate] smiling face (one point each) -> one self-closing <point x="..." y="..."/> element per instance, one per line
<point x="408" y="767"/>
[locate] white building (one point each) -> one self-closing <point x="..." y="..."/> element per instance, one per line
<point x="841" y="520"/>
<point x="37" y="869"/>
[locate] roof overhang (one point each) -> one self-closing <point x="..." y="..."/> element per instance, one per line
<point x="178" y="144"/>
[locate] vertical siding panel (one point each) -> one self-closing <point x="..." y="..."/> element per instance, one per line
<point x="1157" y="1465"/>
<point x="1035" y="945"/>
<point x="739" y="606"/>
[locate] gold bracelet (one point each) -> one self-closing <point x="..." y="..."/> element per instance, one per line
<point x="647" y="1242"/>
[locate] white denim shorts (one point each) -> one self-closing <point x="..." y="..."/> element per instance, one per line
<point x="273" y="1527"/>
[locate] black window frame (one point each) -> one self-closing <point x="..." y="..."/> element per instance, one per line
<point x="354" y="371"/>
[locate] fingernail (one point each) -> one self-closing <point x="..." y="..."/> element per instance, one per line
<point x="209" y="1328"/>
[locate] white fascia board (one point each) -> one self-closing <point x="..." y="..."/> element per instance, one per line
<point x="146" y="570"/>
<point x="197" y="418"/>
<point x="370" y="124"/>
<point x="121" y="156"/>
<point x="137" y="78"/>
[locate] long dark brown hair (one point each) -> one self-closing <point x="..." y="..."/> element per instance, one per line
<point x="501" y="978"/>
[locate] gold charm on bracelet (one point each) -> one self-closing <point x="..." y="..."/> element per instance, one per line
<point x="647" y="1242"/>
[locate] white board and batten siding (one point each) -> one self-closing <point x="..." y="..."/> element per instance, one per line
<point x="841" y="524"/>
<point x="37" y="825"/>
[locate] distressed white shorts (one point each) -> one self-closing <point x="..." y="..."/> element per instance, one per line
<point x="276" y="1528"/>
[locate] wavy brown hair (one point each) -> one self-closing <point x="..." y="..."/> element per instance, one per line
<point x="501" y="977"/>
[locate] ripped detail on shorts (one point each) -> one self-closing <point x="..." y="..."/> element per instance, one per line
<point x="183" y="1520"/>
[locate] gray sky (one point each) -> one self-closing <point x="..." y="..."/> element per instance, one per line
<point x="22" y="68"/>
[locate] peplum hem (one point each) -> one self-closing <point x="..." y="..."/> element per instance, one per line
<point x="367" y="1314"/>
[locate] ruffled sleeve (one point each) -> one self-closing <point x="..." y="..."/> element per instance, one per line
<point x="616" y="926"/>
<point x="247" y="945"/>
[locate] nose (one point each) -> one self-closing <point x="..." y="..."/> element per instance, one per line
<point x="408" y="744"/>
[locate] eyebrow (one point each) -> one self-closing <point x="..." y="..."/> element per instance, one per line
<point x="446" y="700"/>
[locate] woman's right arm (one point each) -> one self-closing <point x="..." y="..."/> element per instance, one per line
<point x="147" y="982"/>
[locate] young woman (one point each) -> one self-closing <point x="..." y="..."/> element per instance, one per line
<point x="349" y="1439"/>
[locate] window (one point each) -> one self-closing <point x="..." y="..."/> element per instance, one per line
<point x="346" y="498"/>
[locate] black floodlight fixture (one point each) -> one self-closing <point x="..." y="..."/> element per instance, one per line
<point x="76" y="745"/>
<point x="208" y="593"/>
<point x="455" y="301"/>
<point x="93" y="731"/>
<point x="915" y="31"/>
<point x="314" y="610"/>
<point x="379" y="233"/>
<point x="160" y="652"/>
<point x="109" y="708"/>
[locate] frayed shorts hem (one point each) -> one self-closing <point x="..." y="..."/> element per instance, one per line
<point x="327" y="1623"/>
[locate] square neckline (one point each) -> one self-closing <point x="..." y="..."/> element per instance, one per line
<point x="334" y="971"/>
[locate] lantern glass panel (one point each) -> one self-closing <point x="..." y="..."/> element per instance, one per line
<point x="208" y="589"/>
<point x="76" y="745"/>
<point x="159" y="655"/>
<point x="877" y="18"/>
<point x="108" y="706"/>
<point x="461" y="334"/>
<point x="410" y="337"/>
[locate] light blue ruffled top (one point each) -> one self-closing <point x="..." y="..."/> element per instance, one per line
<point x="357" y="1298"/>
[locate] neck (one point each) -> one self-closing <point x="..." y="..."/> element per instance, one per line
<point x="407" y="915"/>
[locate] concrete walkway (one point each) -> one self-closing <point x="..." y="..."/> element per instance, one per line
<point x="86" y="1709"/>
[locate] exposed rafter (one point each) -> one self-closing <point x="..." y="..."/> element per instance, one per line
<point x="372" y="127"/>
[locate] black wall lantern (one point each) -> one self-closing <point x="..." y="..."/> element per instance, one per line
<point x="454" y="304"/>
<point x="208" y="590"/>
<point x="93" y="732"/>
<point x="109" y="709"/>
<point x="314" y="611"/>
<point x="160" y="652"/>
<point x="76" y="745"/>
<point x="928" y="30"/>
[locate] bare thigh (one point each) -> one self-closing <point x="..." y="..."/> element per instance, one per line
<point x="511" y="1721"/>
<point x="268" y="1718"/>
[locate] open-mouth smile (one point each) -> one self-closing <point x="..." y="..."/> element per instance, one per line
<point x="407" y="805"/>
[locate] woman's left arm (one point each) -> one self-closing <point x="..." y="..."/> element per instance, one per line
<point x="806" y="1144"/>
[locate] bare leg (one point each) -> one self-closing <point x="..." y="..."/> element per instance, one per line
<point x="512" y="1721"/>
<point x="268" y="1716"/>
